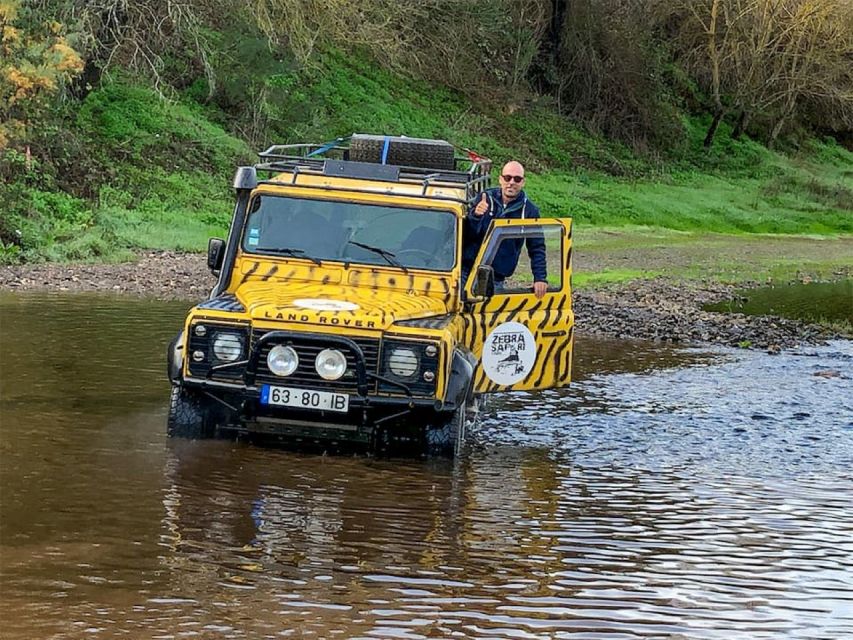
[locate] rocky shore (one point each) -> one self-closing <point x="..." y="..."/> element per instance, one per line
<point x="671" y="311"/>
<point x="661" y="309"/>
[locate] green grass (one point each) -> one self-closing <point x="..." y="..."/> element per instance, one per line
<point x="159" y="173"/>
<point x="178" y="211"/>
<point x="181" y="211"/>
<point x="842" y="328"/>
<point x="345" y="95"/>
<point x="146" y="173"/>
<point x="700" y="255"/>
<point x="133" y="125"/>
<point x="610" y="276"/>
<point x="793" y="203"/>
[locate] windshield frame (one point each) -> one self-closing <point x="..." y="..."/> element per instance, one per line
<point x="380" y="261"/>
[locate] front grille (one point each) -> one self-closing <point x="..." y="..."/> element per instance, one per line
<point x="305" y="374"/>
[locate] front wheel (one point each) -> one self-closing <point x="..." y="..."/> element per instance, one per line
<point x="190" y="415"/>
<point x="446" y="437"/>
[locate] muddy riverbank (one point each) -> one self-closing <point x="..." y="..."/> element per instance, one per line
<point x="662" y="308"/>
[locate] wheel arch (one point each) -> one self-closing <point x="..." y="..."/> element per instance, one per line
<point x="461" y="381"/>
<point x="175" y="358"/>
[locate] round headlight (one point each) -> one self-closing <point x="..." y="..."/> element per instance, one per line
<point x="331" y="364"/>
<point x="282" y="360"/>
<point x="403" y="362"/>
<point x="227" y="346"/>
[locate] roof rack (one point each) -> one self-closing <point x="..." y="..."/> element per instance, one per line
<point x="336" y="159"/>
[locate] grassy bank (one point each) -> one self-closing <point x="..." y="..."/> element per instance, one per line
<point x="126" y="170"/>
<point x="614" y="255"/>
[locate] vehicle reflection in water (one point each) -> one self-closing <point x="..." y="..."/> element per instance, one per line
<point x="648" y="500"/>
<point x="310" y="537"/>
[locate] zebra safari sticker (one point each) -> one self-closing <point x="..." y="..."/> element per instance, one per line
<point x="509" y="353"/>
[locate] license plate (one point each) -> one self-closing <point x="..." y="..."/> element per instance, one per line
<point x="304" y="398"/>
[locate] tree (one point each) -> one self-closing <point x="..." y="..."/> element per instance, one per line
<point x="771" y="60"/>
<point x="136" y="36"/>
<point x="36" y="64"/>
<point x="816" y="54"/>
<point x="705" y="42"/>
<point x="608" y="70"/>
<point x="477" y="46"/>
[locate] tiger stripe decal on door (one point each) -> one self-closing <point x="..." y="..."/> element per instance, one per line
<point x="522" y="342"/>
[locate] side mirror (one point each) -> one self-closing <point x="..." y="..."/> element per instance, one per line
<point x="484" y="283"/>
<point x="215" y="254"/>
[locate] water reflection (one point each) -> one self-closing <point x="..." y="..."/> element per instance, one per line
<point x="815" y="301"/>
<point x="670" y="493"/>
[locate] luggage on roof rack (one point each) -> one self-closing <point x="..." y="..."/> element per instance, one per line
<point x="381" y="158"/>
<point x="403" y="151"/>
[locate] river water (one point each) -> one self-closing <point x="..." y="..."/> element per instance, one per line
<point x="811" y="302"/>
<point x="669" y="493"/>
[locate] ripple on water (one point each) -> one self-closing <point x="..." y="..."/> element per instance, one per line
<point x="669" y="493"/>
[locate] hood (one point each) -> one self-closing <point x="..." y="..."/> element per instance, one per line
<point x="335" y="306"/>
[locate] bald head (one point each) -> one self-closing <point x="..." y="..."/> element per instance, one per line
<point x="512" y="180"/>
<point x="513" y="168"/>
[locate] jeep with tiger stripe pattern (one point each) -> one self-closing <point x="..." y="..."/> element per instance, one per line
<point x="339" y="313"/>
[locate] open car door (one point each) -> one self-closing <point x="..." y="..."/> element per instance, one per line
<point x="519" y="341"/>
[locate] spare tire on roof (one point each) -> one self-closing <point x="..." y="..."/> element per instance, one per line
<point x="402" y="151"/>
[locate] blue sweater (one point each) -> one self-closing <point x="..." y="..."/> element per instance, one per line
<point x="506" y="259"/>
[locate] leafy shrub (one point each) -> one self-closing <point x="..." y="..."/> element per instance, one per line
<point x="37" y="61"/>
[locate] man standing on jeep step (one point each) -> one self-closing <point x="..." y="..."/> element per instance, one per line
<point x="506" y="201"/>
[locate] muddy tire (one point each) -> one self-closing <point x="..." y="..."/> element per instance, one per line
<point x="446" y="438"/>
<point x="406" y="152"/>
<point x="190" y="416"/>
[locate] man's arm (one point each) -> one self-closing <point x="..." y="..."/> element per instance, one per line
<point x="475" y="221"/>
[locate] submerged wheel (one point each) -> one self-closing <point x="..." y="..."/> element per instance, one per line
<point x="446" y="437"/>
<point x="190" y="415"/>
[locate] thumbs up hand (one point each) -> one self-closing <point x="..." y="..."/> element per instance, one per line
<point x="482" y="206"/>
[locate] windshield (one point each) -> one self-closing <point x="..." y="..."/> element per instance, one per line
<point x="351" y="232"/>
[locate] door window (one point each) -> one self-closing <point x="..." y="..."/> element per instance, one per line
<point x="521" y="255"/>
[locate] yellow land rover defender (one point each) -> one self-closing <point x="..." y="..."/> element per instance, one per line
<point x="340" y="314"/>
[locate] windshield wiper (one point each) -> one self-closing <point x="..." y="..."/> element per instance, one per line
<point x="287" y="251"/>
<point x="391" y="258"/>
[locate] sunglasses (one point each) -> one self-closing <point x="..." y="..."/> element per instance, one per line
<point x="516" y="179"/>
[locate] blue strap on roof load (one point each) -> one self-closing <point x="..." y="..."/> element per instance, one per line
<point x="385" y="149"/>
<point x="327" y="146"/>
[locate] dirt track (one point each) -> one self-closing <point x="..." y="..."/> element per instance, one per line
<point x="658" y="309"/>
